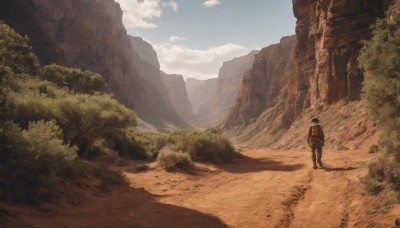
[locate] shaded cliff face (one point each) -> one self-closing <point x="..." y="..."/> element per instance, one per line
<point x="176" y="88"/>
<point x="196" y="91"/>
<point x="262" y="84"/>
<point x="145" y="51"/>
<point x="230" y="78"/>
<point x="89" y="34"/>
<point x="202" y="95"/>
<point x="212" y="98"/>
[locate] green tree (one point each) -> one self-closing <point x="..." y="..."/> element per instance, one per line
<point x="44" y="139"/>
<point x="16" y="58"/>
<point x="15" y="52"/>
<point x="85" y="118"/>
<point x="380" y="59"/>
<point x="73" y="78"/>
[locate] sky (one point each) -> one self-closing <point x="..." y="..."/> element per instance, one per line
<point x="194" y="37"/>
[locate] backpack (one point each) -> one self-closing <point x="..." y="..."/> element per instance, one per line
<point x="315" y="131"/>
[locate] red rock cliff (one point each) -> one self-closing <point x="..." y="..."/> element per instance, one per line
<point x="321" y="69"/>
<point x="262" y="84"/>
<point x="329" y="35"/>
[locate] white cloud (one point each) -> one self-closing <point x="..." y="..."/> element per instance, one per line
<point x="174" y="39"/>
<point x="172" y="5"/>
<point x="139" y="13"/>
<point x="211" y="3"/>
<point x="201" y="64"/>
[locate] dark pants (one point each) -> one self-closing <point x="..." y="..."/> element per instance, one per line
<point x="316" y="149"/>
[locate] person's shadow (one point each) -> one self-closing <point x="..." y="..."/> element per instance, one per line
<point x="334" y="169"/>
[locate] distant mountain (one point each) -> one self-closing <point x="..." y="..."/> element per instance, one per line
<point x="196" y="92"/>
<point x="262" y="83"/>
<point x="178" y="95"/>
<point x="230" y="81"/>
<point x="89" y="34"/>
<point x="212" y="98"/>
<point x="202" y="97"/>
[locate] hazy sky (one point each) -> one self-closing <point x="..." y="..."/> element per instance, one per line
<point x="194" y="37"/>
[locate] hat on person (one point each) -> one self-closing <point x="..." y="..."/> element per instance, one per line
<point x="315" y="119"/>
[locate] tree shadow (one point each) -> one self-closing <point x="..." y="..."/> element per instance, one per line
<point x="245" y="164"/>
<point x="125" y="207"/>
<point x="334" y="169"/>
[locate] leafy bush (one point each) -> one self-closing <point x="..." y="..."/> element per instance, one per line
<point x="107" y="176"/>
<point x="373" y="149"/>
<point x="74" y="79"/>
<point x="380" y="173"/>
<point x="85" y="118"/>
<point x="169" y="159"/>
<point x="342" y="147"/>
<point x="371" y="185"/>
<point x="35" y="156"/>
<point x="208" y="145"/>
<point x="380" y="58"/>
<point x="15" y="53"/>
<point x="376" y="170"/>
<point x="44" y="139"/>
<point x="126" y="146"/>
<point x="392" y="173"/>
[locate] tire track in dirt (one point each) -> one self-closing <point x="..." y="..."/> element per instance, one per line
<point x="328" y="201"/>
<point x="290" y="204"/>
<point x="346" y="205"/>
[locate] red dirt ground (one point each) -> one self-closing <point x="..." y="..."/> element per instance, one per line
<point x="262" y="189"/>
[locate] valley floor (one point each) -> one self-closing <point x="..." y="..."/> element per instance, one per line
<point x="263" y="189"/>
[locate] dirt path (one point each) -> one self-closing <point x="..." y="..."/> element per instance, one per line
<point x="263" y="189"/>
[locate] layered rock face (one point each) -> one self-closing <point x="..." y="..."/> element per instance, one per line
<point x="230" y="78"/>
<point x="320" y="70"/>
<point x="263" y="83"/>
<point x="176" y="89"/>
<point x="89" y="34"/>
<point x="212" y="98"/>
<point x="329" y="34"/>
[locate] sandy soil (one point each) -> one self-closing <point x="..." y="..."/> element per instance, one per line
<point x="263" y="189"/>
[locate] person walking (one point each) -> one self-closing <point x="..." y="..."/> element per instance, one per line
<point x="316" y="139"/>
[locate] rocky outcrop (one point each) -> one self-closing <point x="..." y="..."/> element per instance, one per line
<point x="145" y="51"/>
<point x="178" y="95"/>
<point x="263" y="83"/>
<point x="320" y="71"/>
<point x="329" y="34"/>
<point x="212" y="98"/>
<point x="89" y="34"/>
<point x="230" y="78"/>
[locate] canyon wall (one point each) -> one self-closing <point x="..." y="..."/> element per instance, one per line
<point x="230" y="78"/>
<point x="89" y="34"/>
<point x="213" y="98"/>
<point x="321" y="70"/>
<point x="329" y="35"/>
<point x="176" y="89"/>
<point x="202" y="97"/>
<point x="262" y="83"/>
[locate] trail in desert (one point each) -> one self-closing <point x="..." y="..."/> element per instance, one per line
<point x="263" y="189"/>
